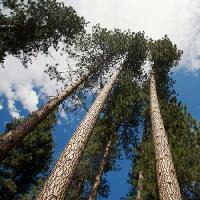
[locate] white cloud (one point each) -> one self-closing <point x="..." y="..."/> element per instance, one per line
<point x="13" y="110"/>
<point x="18" y="83"/>
<point x="179" y="19"/>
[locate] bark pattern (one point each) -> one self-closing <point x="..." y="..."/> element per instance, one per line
<point x="166" y="175"/>
<point x="140" y="186"/>
<point x="59" y="180"/>
<point x="13" y="137"/>
<point x="94" y="190"/>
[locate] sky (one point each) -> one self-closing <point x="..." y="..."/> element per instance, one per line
<point x="22" y="90"/>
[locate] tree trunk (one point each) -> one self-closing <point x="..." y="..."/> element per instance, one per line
<point x="166" y="175"/>
<point x="94" y="190"/>
<point x="14" y="137"/>
<point x="140" y="186"/>
<point x="6" y="27"/>
<point x="62" y="174"/>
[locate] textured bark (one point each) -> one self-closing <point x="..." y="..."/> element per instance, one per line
<point x="62" y="174"/>
<point x="94" y="190"/>
<point x="6" y="27"/>
<point x="166" y="175"/>
<point x="14" y="137"/>
<point x="140" y="186"/>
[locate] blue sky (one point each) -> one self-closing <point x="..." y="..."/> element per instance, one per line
<point x="23" y="90"/>
<point x="187" y="86"/>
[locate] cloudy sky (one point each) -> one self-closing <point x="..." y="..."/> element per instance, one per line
<point x="179" y="19"/>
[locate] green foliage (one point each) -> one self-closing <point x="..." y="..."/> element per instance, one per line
<point x="137" y="52"/>
<point x="25" y="168"/>
<point x="102" y="49"/>
<point x="37" y="25"/>
<point x="124" y="108"/>
<point x="163" y="55"/>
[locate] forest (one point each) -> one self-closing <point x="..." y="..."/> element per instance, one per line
<point x="123" y="82"/>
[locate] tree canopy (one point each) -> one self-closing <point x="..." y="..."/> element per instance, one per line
<point x="34" y="26"/>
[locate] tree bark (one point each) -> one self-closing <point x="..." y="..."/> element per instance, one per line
<point x="62" y="174"/>
<point x="140" y="186"/>
<point x="14" y="137"/>
<point x="166" y="175"/>
<point x="7" y="27"/>
<point x="94" y="190"/>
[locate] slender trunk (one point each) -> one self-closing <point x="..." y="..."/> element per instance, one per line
<point x="80" y="186"/>
<point x="140" y="186"/>
<point x="94" y="190"/>
<point x="62" y="174"/>
<point x="166" y="175"/>
<point x="7" y="27"/>
<point x="14" y="137"/>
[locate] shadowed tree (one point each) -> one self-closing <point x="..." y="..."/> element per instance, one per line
<point x="95" y="187"/>
<point x="27" y="165"/>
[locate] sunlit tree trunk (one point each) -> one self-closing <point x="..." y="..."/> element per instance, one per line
<point x="94" y="190"/>
<point x="62" y="174"/>
<point x="166" y="175"/>
<point x="14" y="137"/>
<point x="140" y="186"/>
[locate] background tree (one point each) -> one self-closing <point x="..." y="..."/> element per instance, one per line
<point x="27" y="164"/>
